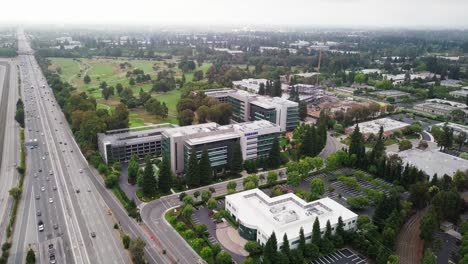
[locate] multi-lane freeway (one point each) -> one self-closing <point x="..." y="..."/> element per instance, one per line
<point x="61" y="207"/>
<point x="68" y="199"/>
<point x="9" y="133"/>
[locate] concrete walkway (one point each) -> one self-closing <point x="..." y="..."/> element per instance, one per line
<point x="230" y="239"/>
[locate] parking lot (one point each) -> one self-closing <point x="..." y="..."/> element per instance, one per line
<point x="342" y="256"/>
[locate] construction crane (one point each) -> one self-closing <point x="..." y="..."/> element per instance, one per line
<point x="320" y="60"/>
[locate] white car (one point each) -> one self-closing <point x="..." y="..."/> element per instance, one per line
<point x="81" y="171"/>
<point x="51" y="200"/>
<point x="42" y="189"/>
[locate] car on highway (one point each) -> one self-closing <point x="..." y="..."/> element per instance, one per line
<point x="40" y="226"/>
<point x="93" y="234"/>
<point x="40" y="170"/>
<point x="77" y="190"/>
<point x="55" y="226"/>
<point x="42" y="189"/>
<point x="52" y="259"/>
<point x="54" y="188"/>
<point x="51" y="200"/>
<point x="51" y="172"/>
<point x="43" y="157"/>
<point x="38" y="213"/>
<point x="35" y="175"/>
<point x="81" y="171"/>
<point x="38" y="197"/>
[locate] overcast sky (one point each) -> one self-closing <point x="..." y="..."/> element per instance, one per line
<point x="343" y="13"/>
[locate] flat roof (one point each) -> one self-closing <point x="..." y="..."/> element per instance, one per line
<point x="254" y="126"/>
<point x="373" y="126"/>
<point x="128" y="136"/>
<point x="391" y="92"/>
<point x="263" y="104"/>
<point x="190" y="130"/>
<point x="213" y="138"/>
<point x="286" y="213"/>
<point x="268" y="102"/>
<point x="218" y="92"/>
<point x="434" y="161"/>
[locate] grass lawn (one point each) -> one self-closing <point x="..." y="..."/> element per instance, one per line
<point x="69" y="67"/>
<point x="204" y="67"/>
<point x="135" y="120"/>
<point x="109" y="70"/>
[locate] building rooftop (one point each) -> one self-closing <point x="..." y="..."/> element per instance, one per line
<point x="134" y="135"/>
<point x="391" y="93"/>
<point x="250" y="84"/>
<point x="252" y="126"/>
<point x="268" y="102"/>
<point x="437" y="106"/>
<point x="190" y="130"/>
<point x="446" y="102"/>
<point x="286" y="213"/>
<point x="434" y="161"/>
<point x="373" y="126"/>
<point x="212" y="138"/>
<point x="218" y="92"/>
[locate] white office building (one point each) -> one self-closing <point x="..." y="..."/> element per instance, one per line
<point x="255" y="139"/>
<point x="250" y="107"/>
<point x="249" y="85"/>
<point x="259" y="216"/>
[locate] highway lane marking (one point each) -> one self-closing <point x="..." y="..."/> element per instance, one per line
<point x="54" y="165"/>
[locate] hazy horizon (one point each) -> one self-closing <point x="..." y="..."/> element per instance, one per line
<point x="256" y="13"/>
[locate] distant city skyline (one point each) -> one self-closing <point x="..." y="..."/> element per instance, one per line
<point x="321" y="13"/>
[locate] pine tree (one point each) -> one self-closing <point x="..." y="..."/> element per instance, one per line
<point x="356" y="146"/>
<point x="277" y="92"/>
<point x="302" y="110"/>
<point x="133" y="168"/>
<point x="302" y="242"/>
<point x="286" y="248"/>
<point x="165" y="176"/>
<point x="328" y="231"/>
<point x="316" y="237"/>
<point x="237" y="159"/>
<point x="192" y="172"/>
<point x="261" y="89"/>
<point x="149" y="184"/>
<point x="274" y="159"/>
<point x="307" y="145"/>
<point x="205" y="170"/>
<point x="270" y="251"/>
<point x="379" y="148"/>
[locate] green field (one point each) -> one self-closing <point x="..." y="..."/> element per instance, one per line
<point x="108" y="70"/>
<point x="204" y="67"/>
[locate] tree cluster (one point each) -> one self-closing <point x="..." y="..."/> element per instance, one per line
<point x="205" y="107"/>
<point x="19" y="114"/>
<point x="307" y="248"/>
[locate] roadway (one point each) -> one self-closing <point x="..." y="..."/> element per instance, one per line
<point x="56" y="170"/>
<point x="332" y="146"/>
<point x="9" y="131"/>
<point x="166" y="238"/>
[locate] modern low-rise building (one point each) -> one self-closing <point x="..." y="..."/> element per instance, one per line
<point x="463" y="93"/>
<point x="249" y="85"/>
<point x="255" y="139"/>
<point x="259" y="216"/>
<point x="397" y="95"/>
<point x="220" y="94"/>
<point x="440" y="107"/>
<point x="373" y="127"/>
<point x="250" y="107"/>
<point x="121" y="144"/>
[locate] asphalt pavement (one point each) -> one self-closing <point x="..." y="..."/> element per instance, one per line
<point x="9" y="152"/>
<point x="75" y="223"/>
